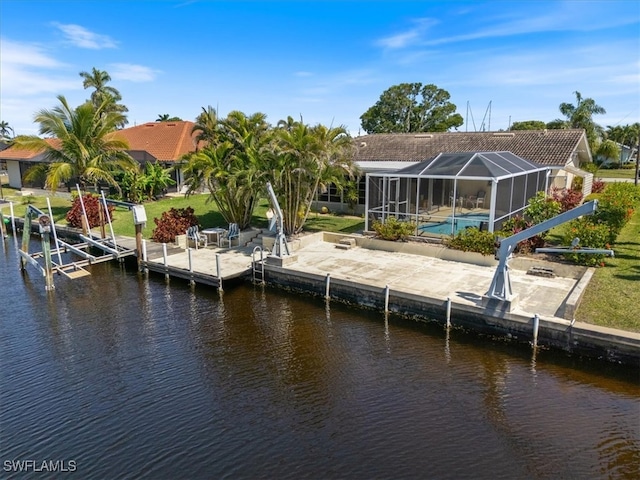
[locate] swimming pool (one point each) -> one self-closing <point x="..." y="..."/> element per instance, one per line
<point x="460" y="222"/>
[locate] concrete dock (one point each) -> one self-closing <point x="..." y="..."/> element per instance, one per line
<point x="423" y="286"/>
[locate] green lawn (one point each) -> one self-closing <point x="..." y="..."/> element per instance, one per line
<point x="207" y="214"/>
<point x="613" y="295"/>
<point x="615" y="173"/>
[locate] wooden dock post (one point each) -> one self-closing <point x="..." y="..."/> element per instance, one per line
<point x="26" y="234"/>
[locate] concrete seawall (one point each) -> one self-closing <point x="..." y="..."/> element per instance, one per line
<point x="574" y="337"/>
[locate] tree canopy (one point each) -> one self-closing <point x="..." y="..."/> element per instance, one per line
<point x="165" y="117"/>
<point x="412" y="107"/>
<point x="104" y="96"/>
<point x="84" y="147"/>
<point x="243" y="153"/>
<point x="581" y="115"/>
<point x="5" y="130"/>
<point x="528" y="125"/>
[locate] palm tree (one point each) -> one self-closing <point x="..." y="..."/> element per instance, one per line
<point x="306" y="160"/>
<point x="4" y="130"/>
<point x="581" y="115"/>
<point x="232" y="165"/>
<point x="626" y="135"/>
<point x="85" y="146"/>
<point x="608" y="150"/>
<point x="98" y="79"/>
<point x="207" y="125"/>
<point x="164" y="117"/>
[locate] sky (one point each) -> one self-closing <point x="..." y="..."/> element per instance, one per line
<point x="323" y="62"/>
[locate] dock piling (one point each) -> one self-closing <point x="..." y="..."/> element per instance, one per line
<point x="327" y="285"/>
<point x="448" y="312"/>
<point x="536" y="326"/>
<point x="192" y="281"/>
<point x="218" y="271"/>
<point x="164" y="261"/>
<point x="386" y="299"/>
<point x="144" y="254"/>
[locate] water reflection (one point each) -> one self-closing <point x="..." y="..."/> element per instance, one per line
<point x="138" y="377"/>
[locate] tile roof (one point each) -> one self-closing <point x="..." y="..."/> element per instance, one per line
<point x="13" y="153"/>
<point x="545" y="147"/>
<point x="165" y="141"/>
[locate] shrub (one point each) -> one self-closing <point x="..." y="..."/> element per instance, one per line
<point x="568" y="198"/>
<point x="616" y="206"/>
<point x="174" y="222"/>
<point x="598" y="186"/>
<point x="542" y="208"/>
<point x="516" y="225"/>
<point x="393" y="229"/>
<point x="92" y="206"/>
<point x="591" y="235"/>
<point x="590" y="167"/>
<point x="472" y="240"/>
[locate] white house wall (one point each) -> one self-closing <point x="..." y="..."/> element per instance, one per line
<point x="13" y="169"/>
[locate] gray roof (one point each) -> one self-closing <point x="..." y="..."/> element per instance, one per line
<point x="485" y="165"/>
<point x="544" y="147"/>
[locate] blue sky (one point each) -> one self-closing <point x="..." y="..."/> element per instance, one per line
<point x="326" y="62"/>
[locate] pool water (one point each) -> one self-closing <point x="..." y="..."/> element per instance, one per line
<point x="460" y="222"/>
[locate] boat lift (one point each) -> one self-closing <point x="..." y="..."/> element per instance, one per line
<point x="71" y="269"/>
<point x="280" y="246"/>
<point x="500" y="288"/>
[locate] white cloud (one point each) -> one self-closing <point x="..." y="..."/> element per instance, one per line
<point x="132" y="73"/>
<point x="26" y="69"/>
<point x="83" y="38"/>
<point x="16" y="53"/>
<point x="409" y="37"/>
<point x="568" y="16"/>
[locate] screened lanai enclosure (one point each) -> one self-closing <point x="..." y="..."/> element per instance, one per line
<point x="454" y="191"/>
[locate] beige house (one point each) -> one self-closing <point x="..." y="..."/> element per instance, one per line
<point x="562" y="151"/>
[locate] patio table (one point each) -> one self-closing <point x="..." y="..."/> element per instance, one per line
<point x="213" y="235"/>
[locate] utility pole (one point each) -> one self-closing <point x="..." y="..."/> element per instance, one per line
<point x="635" y="181"/>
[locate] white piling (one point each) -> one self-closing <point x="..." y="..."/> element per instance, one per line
<point x="448" y="312"/>
<point x="536" y="325"/>
<point x="326" y="288"/>
<point x="218" y="271"/>
<point x="192" y="282"/>
<point x="13" y="223"/>
<point x="164" y="260"/>
<point x="386" y="298"/>
<point x="144" y="253"/>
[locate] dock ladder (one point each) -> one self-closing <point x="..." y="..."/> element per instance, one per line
<point x="257" y="266"/>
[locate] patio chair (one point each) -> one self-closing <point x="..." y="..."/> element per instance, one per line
<point x="194" y="235"/>
<point x="230" y="235"/>
<point x="480" y="198"/>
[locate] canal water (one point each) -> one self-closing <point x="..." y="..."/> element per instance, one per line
<point x="119" y="375"/>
